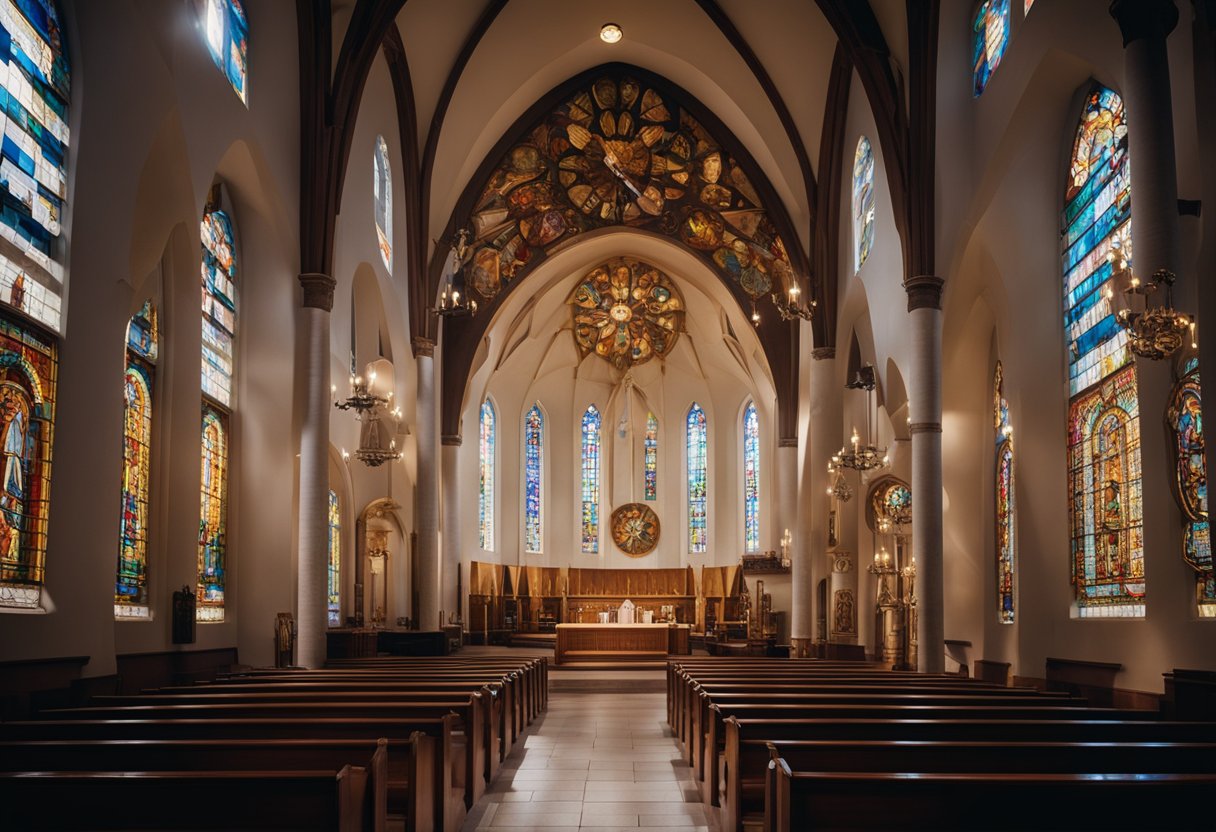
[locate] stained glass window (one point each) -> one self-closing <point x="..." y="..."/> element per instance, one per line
<point x="697" y="440"/>
<point x="131" y="587"/>
<point x="382" y="186"/>
<point x="1026" y="7"/>
<point x="1104" y="415"/>
<point x="627" y="312"/>
<point x="591" y="480"/>
<point x="334" y="584"/>
<point x="863" y="202"/>
<point x="650" y="460"/>
<point x="485" y="504"/>
<point x="34" y="83"/>
<point x="534" y="457"/>
<point x="213" y="516"/>
<point x="1185" y="418"/>
<point x="1005" y="511"/>
<point x="990" y="36"/>
<point x="29" y="369"/>
<point x="751" y="479"/>
<point x="219" y="300"/>
<point x="228" y="41"/>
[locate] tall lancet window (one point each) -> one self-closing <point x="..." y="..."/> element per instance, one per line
<point x="382" y="188"/>
<point x="863" y="202"/>
<point x="591" y="480"/>
<point x="697" y="447"/>
<point x="1104" y="487"/>
<point x="131" y="586"/>
<point x="1006" y="518"/>
<point x="751" y="479"/>
<point x="485" y="499"/>
<point x="990" y="36"/>
<point x="1185" y="418"/>
<point x="534" y="472"/>
<point x="227" y="33"/>
<point x="650" y="458"/>
<point x="334" y="584"/>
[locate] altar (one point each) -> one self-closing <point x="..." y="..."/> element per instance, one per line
<point x="619" y="642"/>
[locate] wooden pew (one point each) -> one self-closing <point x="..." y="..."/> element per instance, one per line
<point x="885" y="800"/>
<point x="448" y="803"/>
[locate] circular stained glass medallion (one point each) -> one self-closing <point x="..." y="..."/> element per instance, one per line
<point x="626" y="312"/>
<point x="635" y="529"/>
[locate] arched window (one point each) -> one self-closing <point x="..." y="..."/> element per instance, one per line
<point x="1005" y="511"/>
<point x="228" y="40"/>
<point x="863" y="202"/>
<point x="28" y="370"/>
<point x="131" y="587"/>
<point x="534" y="458"/>
<point x="219" y="275"/>
<point x="751" y="479"/>
<point x="334" y="584"/>
<point x="1104" y="487"/>
<point x="650" y="460"/>
<point x="1185" y="415"/>
<point x="485" y="504"/>
<point x="591" y="480"/>
<point x="697" y="440"/>
<point x="382" y="189"/>
<point x="35" y="82"/>
<point x="990" y="36"/>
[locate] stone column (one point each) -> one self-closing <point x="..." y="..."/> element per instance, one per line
<point x="427" y="489"/>
<point x="312" y="564"/>
<point x="450" y="506"/>
<point x="925" y="409"/>
<point x="787" y="506"/>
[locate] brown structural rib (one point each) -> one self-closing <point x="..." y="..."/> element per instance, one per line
<point x="422" y="289"/>
<point x="832" y="155"/>
<point x="923" y="18"/>
<point x="327" y="114"/>
<point x="407" y="128"/>
<point x="462" y="336"/>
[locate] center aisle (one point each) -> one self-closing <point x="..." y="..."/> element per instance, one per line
<point x="595" y="761"/>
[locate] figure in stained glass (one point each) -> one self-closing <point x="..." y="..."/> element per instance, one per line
<point x="751" y="479"/>
<point x="650" y="461"/>
<point x="1005" y="514"/>
<point x="227" y="33"/>
<point x="213" y="516"/>
<point x="990" y="33"/>
<point x="863" y="202"/>
<point x="485" y="499"/>
<point x="591" y="480"/>
<point x="131" y="586"/>
<point x="697" y="447"/>
<point x="334" y="582"/>
<point x="1184" y="417"/>
<point x="534" y="443"/>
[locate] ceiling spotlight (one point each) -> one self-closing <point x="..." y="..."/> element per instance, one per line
<point x="611" y="33"/>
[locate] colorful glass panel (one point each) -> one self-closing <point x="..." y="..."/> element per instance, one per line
<point x="485" y="500"/>
<point x="334" y="583"/>
<point x="1006" y="518"/>
<point x="382" y="190"/>
<point x="650" y="458"/>
<point x="1185" y="419"/>
<point x="697" y="441"/>
<point x="534" y="449"/>
<point x="1104" y="487"/>
<point x="591" y="480"/>
<point x="863" y="202"/>
<point x="751" y="479"/>
<point x="219" y="301"/>
<point x="131" y="586"/>
<point x="227" y="33"/>
<point x="213" y="516"/>
<point x="990" y="32"/>
<point x="1026" y="7"/>
<point x="627" y="312"/>
<point x="29" y="368"/>
<point x="34" y="102"/>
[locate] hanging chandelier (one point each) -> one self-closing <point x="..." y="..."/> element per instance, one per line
<point x="1153" y="332"/>
<point x="453" y="300"/>
<point x="840" y="488"/>
<point x="864" y="456"/>
<point x="373" y="450"/>
<point x="790" y="306"/>
<point x="361" y="399"/>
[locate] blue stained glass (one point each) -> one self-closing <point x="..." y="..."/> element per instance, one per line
<point x="131" y="585"/>
<point x="650" y="446"/>
<point x="1185" y="418"/>
<point x="591" y="480"/>
<point x="219" y="301"/>
<point x="990" y="31"/>
<point x="227" y="33"/>
<point x="334" y="584"/>
<point x="213" y="517"/>
<point x="485" y="500"/>
<point x="751" y="479"/>
<point x="534" y="444"/>
<point x="697" y="440"/>
<point x="863" y="202"/>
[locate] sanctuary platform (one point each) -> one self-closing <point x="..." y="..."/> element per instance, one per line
<point x="619" y="642"/>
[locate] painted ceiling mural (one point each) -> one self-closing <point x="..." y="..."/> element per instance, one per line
<point x="622" y="152"/>
<point x="627" y="312"/>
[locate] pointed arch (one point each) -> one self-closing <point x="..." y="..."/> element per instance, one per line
<point x="696" y="440"/>
<point x="534" y="480"/>
<point x="590" y="456"/>
<point x="334" y="571"/>
<point x="131" y="582"/>
<point x="751" y="479"/>
<point x="487" y="459"/>
<point x="650" y="458"/>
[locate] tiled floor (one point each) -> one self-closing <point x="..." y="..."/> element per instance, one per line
<point x="595" y="761"/>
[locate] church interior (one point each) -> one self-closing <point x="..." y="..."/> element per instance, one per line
<point x="794" y="358"/>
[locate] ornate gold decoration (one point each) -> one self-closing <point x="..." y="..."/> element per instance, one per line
<point x="626" y="312"/>
<point x="635" y="529"/>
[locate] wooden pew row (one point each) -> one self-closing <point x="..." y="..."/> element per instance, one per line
<point x="185" y="800"/>
<point x="743" y="668"/>
<point x="888" y="800"/>
<point x="448" y="803"/>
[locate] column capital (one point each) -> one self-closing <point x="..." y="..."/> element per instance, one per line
<point x="1139" y="19"/>
<point x="451" y="440"/>
<point x="924" y="427"/>
<point x="787" y="442"/>
<point x="822" y="353"/>
<point x="924" y="291"/>
<point x="318" y="291"/>
<point x="423" y="346"/>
